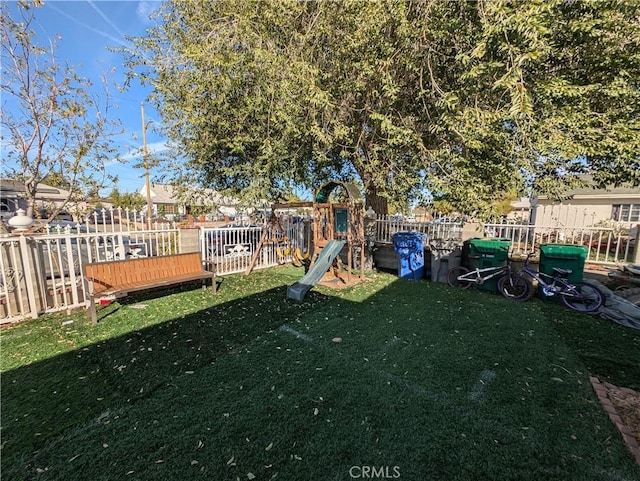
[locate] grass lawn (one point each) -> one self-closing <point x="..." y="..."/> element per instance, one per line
<point x="429" y="383"/>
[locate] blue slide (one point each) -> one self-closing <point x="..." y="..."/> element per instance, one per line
<point x="298" y="290"/>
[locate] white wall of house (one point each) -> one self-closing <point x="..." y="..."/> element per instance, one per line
<point x="585" y="211"/>
<point x="165" y="203"/>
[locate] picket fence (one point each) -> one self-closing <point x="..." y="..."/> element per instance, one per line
<point x="438" y="228"/>
<point x="616" y="244"/>
<point x="43" y="273"/>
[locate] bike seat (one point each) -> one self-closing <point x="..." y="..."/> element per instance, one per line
<point x="562" y="272"/>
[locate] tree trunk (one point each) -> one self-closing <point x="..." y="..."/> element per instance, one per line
<point x="374" y="200"/>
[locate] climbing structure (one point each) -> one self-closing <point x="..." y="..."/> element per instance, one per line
<point x="338" y="224"/>
<point x="338" y="214"/>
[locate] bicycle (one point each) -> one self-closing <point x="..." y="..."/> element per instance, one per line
<point x="465" y="278"/>
<point x="578" y="296"/>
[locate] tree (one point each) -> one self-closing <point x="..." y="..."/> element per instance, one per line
<point x="53" y="125"/>
<point x="126" y="200"/>
<point x="468" y="100"/>
<point x="256" y="107"/>
<point x="568" y="74"/>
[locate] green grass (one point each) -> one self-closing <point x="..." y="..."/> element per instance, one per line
<point x="430" y="382"/>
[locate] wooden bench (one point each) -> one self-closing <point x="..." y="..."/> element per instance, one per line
<point x="112" y="278"/>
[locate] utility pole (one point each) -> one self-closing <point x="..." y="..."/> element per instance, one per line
<point x="145" y="160"/>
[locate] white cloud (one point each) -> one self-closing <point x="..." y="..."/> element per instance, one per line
<point x="152" y="148"/>
<point x="146" y="8"/>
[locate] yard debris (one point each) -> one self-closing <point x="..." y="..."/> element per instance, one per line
<point x="617" y="308"/>
<point x="138" y="306"/>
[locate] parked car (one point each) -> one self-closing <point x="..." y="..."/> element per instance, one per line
<point x="65" y="236"/>
<point x="100" y="216"/>
<point x="233" y="239"/>
<point x="446" y="220"/>
<point x="63" y="215"/>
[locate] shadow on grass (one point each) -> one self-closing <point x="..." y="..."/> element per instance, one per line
<point x="443" y="384"/>
<point x="47" y="397"/>
<point x="609" y="351"/>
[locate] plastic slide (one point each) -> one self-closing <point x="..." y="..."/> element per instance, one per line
<point x="298" y="290"/>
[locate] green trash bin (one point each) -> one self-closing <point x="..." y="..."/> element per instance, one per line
<point x="485" y="253"/>
<point x="565" y="257"/>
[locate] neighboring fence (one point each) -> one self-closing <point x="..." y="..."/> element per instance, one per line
<point x="41" y="273"/>
<point x="232" y="247"/>
<point x="441" y="228"/>
<point x="613" y="244"/>
<point x="606" y="245"/>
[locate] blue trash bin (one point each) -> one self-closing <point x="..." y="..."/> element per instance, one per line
<point x="410" y="249"/>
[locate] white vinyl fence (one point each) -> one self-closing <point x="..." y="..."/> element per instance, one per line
<point x="41" y="273"/>
<point x="440" y="228"/>
<point x="616" y="244"/>
<point x="232" y="247"/>
<point x="611" y="244"/>
<point x="44" y="272"/>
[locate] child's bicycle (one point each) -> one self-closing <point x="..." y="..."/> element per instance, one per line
<point x="579" y="296"/>
<point x="462" y="277"/>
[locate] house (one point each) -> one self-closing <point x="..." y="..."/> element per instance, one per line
<point x="587" y="207"/>
<point x="521" y="209"/>
<point x="13" y="197"/>
<point x="170" y="202"/>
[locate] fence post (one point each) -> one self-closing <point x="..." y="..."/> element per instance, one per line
<point x="636" y="253"/>
<point x="189" y="240"/>
<point x="28" y="276"/>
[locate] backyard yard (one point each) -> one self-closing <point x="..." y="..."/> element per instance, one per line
<point x="399" y="379"/>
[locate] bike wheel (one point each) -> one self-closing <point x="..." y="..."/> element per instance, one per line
<point x="517" y="288"/>
<point x="454" y="273"/>
<point x="582" y="297"/>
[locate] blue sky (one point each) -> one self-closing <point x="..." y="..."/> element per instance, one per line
<point x="86" y="30"/>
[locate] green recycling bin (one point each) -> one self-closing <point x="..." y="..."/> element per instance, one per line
<point x="485" y="253"/>
<point x="565" y="257"/>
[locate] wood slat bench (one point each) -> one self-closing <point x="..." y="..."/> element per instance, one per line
<point x="124" y="276"/>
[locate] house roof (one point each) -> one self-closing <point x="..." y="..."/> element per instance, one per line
<point x="14" y="189"/>
<point x="521" y="203"/>
<point x="624" y="191"/>
<point x="167" y="194"/>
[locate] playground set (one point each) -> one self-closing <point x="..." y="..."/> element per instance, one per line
<point x="337" y="225"/>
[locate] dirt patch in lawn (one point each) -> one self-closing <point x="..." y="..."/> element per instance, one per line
<point x="623" y="406"/>
<point x="627" y="404"/>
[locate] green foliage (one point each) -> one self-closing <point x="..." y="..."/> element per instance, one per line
<point x="570" y="70"/>
<point x="54" y="127"/>
<point x="469" y="100"/>
<point x="126" y="200"/>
